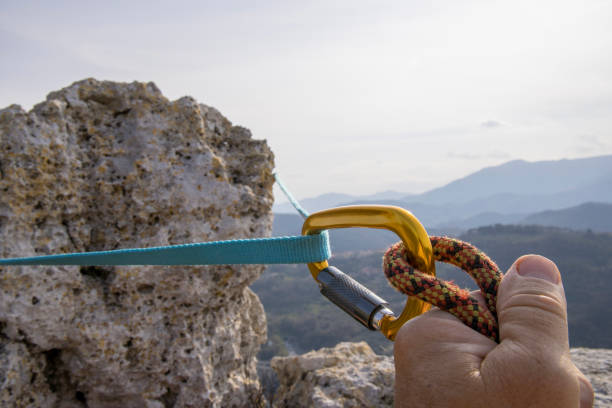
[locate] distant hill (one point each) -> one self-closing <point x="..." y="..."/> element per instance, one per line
<point x="522" y="178"/>
<point x="483" y="219"/>
<point x="300" y="319"/>
<point x="593" y="216"/>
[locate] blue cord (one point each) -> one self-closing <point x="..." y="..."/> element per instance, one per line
<point x="290" y="197"/>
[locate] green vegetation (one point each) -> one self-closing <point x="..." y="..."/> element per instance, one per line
<point x="301" y="319"/>
<point x="585" y="261"/>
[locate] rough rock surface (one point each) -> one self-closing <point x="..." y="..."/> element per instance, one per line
<point x="351" y="375"/>
<point x="596" y="364"/>
<point x="103" y="165"/>
<point x="348" y="375"/>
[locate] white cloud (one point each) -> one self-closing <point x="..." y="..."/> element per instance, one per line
<point x="491" y="124"/>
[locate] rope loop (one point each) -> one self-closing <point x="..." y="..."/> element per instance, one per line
<point x="446" y="295"/>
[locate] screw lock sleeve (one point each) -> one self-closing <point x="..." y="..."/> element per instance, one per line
<point x="352" y="297"/>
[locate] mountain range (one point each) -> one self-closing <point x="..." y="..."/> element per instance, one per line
<point x="574" y="193"/>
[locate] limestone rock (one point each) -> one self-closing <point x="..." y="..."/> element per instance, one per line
<point x="596" y="364"/>
<point x="348" y="375"/>
<point x="351" y="375"/>
<point x="100" y="166"/>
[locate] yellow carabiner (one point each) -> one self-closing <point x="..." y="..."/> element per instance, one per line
<point x="396" y="219"/>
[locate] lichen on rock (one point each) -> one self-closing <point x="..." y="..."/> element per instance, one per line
<point x="104" y="165"/>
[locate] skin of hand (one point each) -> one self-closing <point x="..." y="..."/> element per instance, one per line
<point x="440" y="362"/>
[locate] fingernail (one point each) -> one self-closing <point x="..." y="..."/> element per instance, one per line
<point x="586" y="394"/>
<point x="535" y="266"/>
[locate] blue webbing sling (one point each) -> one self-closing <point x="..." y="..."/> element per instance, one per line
<point x="276" y="250"/>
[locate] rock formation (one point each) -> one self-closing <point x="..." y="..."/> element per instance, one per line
<point x="348" y="375"/>
<point x="351" y="375"/>
<point x="100" y="166"/>
<point x="596" y="364"/>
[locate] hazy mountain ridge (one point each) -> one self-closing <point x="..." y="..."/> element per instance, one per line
<point x="523" y="178"/>
<point x="504" y="194"/>
<point x="594" y="216"/>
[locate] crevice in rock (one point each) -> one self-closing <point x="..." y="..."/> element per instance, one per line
<point x="131" y="355"/>
<point x="145" y="288"/>
<point x="169" y="398"/>
<point x="121" y="113"/>
<point x="96" y="272"/>
<point x="70" y="237"/>
<point x="268" y="380"/>
<point x="58" y="378"/>
<point x="103" y="278"/>
<point x="257" y="399"/>
<point x="80" y="396"/>
<point x="54" y="369"/>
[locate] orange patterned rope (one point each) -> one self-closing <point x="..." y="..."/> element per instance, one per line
<point x="446" y="295"/>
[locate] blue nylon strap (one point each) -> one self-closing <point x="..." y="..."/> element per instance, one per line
<point x="279" y="250"/>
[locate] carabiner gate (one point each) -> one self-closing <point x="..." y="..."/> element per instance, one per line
<point x="351" y="296"/>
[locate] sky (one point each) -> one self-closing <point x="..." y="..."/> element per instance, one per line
<point x="355" y="96"/>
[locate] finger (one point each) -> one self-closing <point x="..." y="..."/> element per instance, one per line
<point x="587" y="395"/>
<point x="436" y="354"/>
<point x="438" y="326"/>
<point x="533" y="354"/>
<point x="436" y="333"/>
<point x="531" y="307"/>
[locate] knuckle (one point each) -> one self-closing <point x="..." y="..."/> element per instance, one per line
<point x="535" y="305"/>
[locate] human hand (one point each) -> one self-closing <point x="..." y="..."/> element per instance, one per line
<point x="440" y="362"/>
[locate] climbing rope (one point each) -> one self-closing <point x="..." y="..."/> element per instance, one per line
<point x="446" y="295"/>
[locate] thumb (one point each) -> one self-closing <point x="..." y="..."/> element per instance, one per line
<point x="531" y="307"/>
<point x="532" y="320"/>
